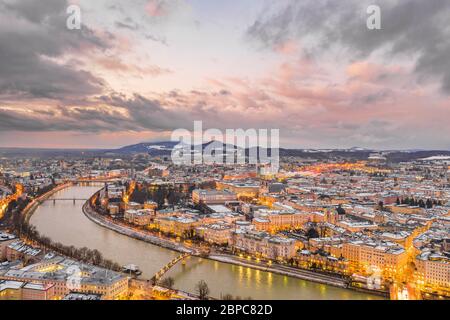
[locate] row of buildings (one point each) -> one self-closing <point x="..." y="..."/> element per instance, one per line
<point x="51" y="277"/>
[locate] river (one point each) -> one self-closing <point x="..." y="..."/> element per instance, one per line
<point x="64" y="221"/>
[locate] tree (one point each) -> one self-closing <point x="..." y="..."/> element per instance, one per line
<point x="97" y="202"/>
<point x="202" y="290"/>
<point x="340" y="210"/>
<point x="139" y="195"/>
<point x="97" y="257"/>
<point x="160" y="196"/>
<point x="421" y="203"/>
<point x="227" y="297"/>
<point x="173" y="197"/>
<point x="168" y="282"/>
<point x="312" y="233"/>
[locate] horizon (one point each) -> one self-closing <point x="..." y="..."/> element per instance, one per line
<point x="136" y="72"/>
<point x="166" y="141"/>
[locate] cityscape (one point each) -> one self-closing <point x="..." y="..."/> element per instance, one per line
<point x="358" y="225"/>
<point x="194" y="150"/>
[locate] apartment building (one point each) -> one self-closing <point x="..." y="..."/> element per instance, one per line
<point x="217" y="233"/>
<point x="241" y="189"/>
<point x="178" y="226"/>
<point x="433" y="269"/>
<point x="273" y="221"/>
<point x="263" y="245"/>
<point x="5" y="240"/>
<point x="213" y="196"/>
<point x="139" y="217"/>
<point x="65" y="275"/>
<point x="364" y="256"/>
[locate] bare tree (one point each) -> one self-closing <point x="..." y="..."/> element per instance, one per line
<point x="168" y="282"/>
<point x="227" y="297"/>
<point x="202" y="290"/>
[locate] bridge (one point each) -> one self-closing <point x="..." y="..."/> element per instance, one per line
<point x="168" y="266"/>
<point x="66" y="199"/>
<point x="100" y="179"/>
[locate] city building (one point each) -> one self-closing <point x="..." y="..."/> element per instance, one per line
<point x="218" y="233"/>
<point x="139" y="217"/>
<point x="178" y="226"/>
<point x="57" y="277"/>
<point x="433" y="270"/>
<point x="213" y="196"/>
<point x="5" y="240"/>
<point x="261" y="244"/>
<point x="370" y="256"/>
<point x="244" y="189"/>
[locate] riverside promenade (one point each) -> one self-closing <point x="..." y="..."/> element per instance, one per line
<point x="130" y="232"/>
<point x="282" y="270"/>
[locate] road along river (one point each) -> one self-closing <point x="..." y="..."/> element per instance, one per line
<point x="64" y="222"/>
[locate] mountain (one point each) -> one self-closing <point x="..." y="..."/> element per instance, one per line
<point x="165" y="148"/>
<point x="153" y="148"/>
<point x="357" y="149"/>
<point x="356" y="153"/>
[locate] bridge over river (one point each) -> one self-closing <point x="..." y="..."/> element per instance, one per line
<point x="66" y="199"/>
<point x="66" y="223"/>
<point x="169" y="266"/>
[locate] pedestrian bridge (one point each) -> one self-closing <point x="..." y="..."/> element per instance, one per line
<point x="66" y="199"/>
<point x="168" y="266"/>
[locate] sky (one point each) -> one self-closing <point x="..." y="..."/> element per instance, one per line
<point x="137" y="70"/>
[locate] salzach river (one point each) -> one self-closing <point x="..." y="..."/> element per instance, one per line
<point x="64" y="221"/>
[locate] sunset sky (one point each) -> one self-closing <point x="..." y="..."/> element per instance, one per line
<point x="139" y="69"/>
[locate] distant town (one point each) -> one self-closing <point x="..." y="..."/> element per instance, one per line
<point x="368" y="225"/>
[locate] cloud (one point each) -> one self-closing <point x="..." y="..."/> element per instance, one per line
<point x="128" y="23"/>
<point x="155" y="8"/>
<point x="60" y="119"/>
<point x="113" y="113"/>
<point x="161" y="8"/>
<point x="34" y="38"/>
<point x="411" y="29"/>
<point x="326" y="80"/>
<point x="115" y="63"/>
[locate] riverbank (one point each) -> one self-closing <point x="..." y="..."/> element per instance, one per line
<point x="307" y="275"/>
<point x="283" y="270"/>
<point x="101" y="221"/>
<point x="33" y="205"/>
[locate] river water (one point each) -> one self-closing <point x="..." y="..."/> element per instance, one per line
<point x="64" y="221"/>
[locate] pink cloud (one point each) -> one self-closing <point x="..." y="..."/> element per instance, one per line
<point x="116" y="64"/>
<point x="155" y="8"/>
<point x="289" y="47"/>
<point x="367" y="71"/>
